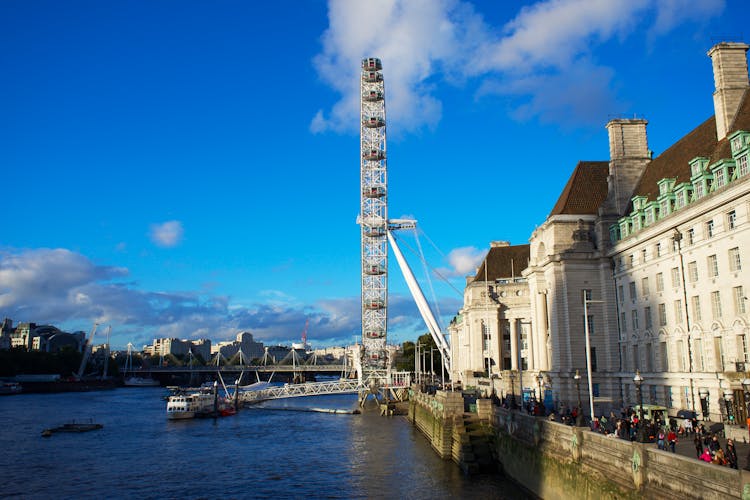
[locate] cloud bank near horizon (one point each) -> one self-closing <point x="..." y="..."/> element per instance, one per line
<point x="58" y="286"/>
<point x="543" y="60"/>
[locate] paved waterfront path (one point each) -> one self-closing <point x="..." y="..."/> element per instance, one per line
<point x="686" y="448"/>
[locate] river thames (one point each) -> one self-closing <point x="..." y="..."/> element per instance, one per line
<point x="269" y="451"/>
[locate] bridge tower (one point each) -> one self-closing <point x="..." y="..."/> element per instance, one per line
<point x="373" y="217"/>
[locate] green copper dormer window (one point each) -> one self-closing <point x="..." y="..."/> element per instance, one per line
<point x="722" y="172"/>
<point x="698" y="166"/>
<point x="638" y="220"/>
<point x="666" y="185"/>
<point x="742" y="167"/>
<point x="614" y="233"/>
<point x="639" y="202"/>
<point x="626" y="226"/>
<point x="683" y="194"/>
<point x="651" y="213"/>
<point x="739" y="141"/>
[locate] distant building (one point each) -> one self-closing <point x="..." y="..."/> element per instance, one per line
<point x="250" y="348"/>
<point x="6" y="332"/>
<point x="181" y="348"/>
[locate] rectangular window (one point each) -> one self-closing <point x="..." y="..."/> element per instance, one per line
<point x="710" y="229"/>
<point x="693" y="271"/>
<point x="742" y="353"/>
<point x="664" y="356"/>
<point x="623" y="323"/>
<point x="675" y="277"/>
<point x="713" y="266"/>
<point x="720" y="178"/>
<point x="643" y="255"/>
<point x="739" y="300"/>
<point x="696" y="306"/>
<point x="660" y="282"/>
<point x="731" y="220"/>
<point x="742" y="165"/>
<point x="662" y="314"/>
<point x="698" y="190"/>
<point x="631" y="260"/>
<point x="716" y="304"/>
<point x="719" y="354"/>
<point x="668" y="396"/>
<point x="632" y="291"/>
<point x="742" y="349"/>
<point x="698" y="344"/>
<point x="735" y="264"/>
<point x="587" y="295"/>
<point x="636" y="360"/>
<point x="680" y="356"/>
<point x="644" y="286"/>
<point x="658" y="250"/>
<point x="678" y="315"/>
<point x="593" y="359"/>
<point x="591" y="324"/>
<point x="649" y="357"/>
<point x="647" y="317"/>
<point x="690" y="236"/>
<point x="620" y="293"/>
<point x="634" y="317"/>
<point x="680" y="201"/>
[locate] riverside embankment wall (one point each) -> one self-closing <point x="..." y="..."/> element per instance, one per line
<point x="554" y="461"/>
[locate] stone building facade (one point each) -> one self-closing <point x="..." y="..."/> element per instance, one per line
<point x="648" y="253"/>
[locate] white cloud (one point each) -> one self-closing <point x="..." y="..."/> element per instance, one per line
<point x="167" y="234"/>
<point x="539" y="58"/>
<point x="463" y="261"/>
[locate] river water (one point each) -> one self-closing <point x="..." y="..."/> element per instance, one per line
<point x="269" y="451"/>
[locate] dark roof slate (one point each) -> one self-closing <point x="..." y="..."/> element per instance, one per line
<point x="701" y="141"/>
<point x="585" y="191"/>
<point x="504" y="262"/>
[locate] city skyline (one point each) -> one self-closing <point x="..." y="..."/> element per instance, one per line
<point x="195" y="173"/>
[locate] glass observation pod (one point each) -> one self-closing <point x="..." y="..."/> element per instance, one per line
<point x="373" y="96"/>
<point x="372" y="64"/>
<point x="373" y="155"/>
<point x="374" y="270"/>
<point x="374" y="304"/>
<point x="372" y="77"/>
<point x="373" y="221"/>
<point x="374" y="192"/>
<point x="374" y="356"/>
<point x="374" y="232"/>
<point x="375" y="334"/>
<point x="374" y="122"/>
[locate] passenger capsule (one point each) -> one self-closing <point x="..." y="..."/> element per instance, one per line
<point x="372" y="64"/>
<point x="373" y="96"/>
<point x="375" y="334"/>
<point x="373" y="155"/>
<point x="374" y="122"/>
<point x="374" y="232"/>
<point x="372" y="77"/>
<point x="374" y="270"/>
<point x="373" y="192"/>
<point x="374" y="304"/>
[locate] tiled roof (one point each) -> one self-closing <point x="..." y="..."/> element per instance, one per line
<point x="701" y="141"/>
<point x="585" y="191"/>
<point x="504" y="262"/>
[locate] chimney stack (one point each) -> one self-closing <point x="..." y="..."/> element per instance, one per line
<point x="628" y="157"/>
<point x="731" y="79"/>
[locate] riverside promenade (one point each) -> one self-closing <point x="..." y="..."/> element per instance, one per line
<point x="554" y="460"/>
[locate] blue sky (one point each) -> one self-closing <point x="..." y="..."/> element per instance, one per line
<point x="191" y="169"/>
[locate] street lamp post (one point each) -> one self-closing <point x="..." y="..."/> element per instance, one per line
<point x="728" y="399"/>
<point x="512" y="391"/>
<point x="638" y="380"/>
<point x="746" y="387"/>
<point x="703" y="394"/>
<point x="586" y="302"/>
<point x="540" y="381"/>
<point x="577" y="378"/>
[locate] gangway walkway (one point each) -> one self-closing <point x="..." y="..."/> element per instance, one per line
<point x="299" y="390"/>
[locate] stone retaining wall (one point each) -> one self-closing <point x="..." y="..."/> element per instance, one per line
<point x="558" y="461"/>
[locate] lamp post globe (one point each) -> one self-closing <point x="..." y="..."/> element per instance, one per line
<point x="746" y="388"/>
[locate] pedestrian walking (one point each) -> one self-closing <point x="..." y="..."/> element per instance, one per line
<point x="731" y="454"/>
<point x="698" y="442"/>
